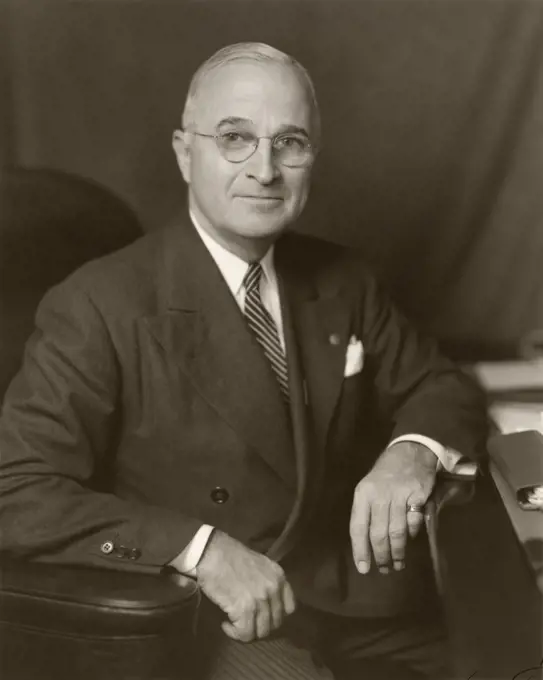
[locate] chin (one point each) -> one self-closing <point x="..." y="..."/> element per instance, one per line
<point x="262" y="226"/>
<point x="263" y="229"/>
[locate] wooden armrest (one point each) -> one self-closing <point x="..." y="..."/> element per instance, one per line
<point x="447" y="492"/>
<point x="491" y="601"/>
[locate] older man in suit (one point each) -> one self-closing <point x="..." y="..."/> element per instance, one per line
<point x="230" y="400"/>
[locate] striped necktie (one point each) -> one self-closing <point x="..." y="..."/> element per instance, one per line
<point x="263" y="326"/>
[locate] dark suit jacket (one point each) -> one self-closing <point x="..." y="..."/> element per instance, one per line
<point x="143" y="392"/>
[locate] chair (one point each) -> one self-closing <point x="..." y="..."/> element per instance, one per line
<point x="491" y="599"/>
<point x="50" y="223"/>
<point x="59" y="622"/>
<point x="78" y="623"/>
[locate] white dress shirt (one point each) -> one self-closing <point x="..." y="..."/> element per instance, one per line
<point x="233" y="270"/>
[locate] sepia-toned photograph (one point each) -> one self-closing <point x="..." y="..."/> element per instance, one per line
<point x="271" y="339"/>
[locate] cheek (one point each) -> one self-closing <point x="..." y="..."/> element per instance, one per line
<point x="298" y="186"/>
<point x="211" y="179"/>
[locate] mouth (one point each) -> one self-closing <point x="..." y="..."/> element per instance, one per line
<point x="257" y="197"/>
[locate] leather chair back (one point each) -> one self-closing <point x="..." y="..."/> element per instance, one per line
<point x="51" y="223"/>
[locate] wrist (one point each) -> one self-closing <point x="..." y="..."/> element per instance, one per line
<point x="212" y="548"/>
<point x="407" y="451"/>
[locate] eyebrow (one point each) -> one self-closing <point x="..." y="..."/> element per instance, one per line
<point x="286" y="127"/>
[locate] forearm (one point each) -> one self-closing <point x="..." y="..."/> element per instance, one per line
<point x="53" y="519"/>
<point x="446" y="408"/>
<point x="417" y="389"/>
<point x="450" y="460"/>
<point x="58" y="427"/>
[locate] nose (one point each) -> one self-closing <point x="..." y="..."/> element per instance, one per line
<point x="262" y="165"/>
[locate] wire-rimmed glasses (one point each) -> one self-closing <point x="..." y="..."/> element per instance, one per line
<point x="290" y="149"/>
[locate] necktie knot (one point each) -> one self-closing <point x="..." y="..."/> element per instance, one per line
<point x="251" y="280"/>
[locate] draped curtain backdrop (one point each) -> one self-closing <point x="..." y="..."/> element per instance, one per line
<point x="432" y="119"/>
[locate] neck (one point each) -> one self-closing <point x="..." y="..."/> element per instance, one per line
<point x="249" y="250"/>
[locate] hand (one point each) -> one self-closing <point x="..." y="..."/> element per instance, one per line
<point x="403" y="475"/>
<point x="250" y="588"/>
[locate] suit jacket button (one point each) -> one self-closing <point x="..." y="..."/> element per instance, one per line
<point x="107" y="547"/>
<point x="219" y="495"/>
<point x="334" y="339"/>
<point x="122" y="551"/>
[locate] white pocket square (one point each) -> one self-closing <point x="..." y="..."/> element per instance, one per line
<point x="354" y="358"/>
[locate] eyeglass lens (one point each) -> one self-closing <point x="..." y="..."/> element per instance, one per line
<point x="288" y="149"/>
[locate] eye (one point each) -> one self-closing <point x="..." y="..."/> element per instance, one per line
<point x="236" y="137"/>
<point x="231" y="136"/>
<point x="291" y="142"/>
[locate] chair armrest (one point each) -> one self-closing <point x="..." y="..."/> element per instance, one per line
<point x="448" y="492"/>
<point x="491" y="602"/>
<point x="74" y="622"/>
<point x="93" y="601"/>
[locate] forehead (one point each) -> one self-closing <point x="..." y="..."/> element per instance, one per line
<point x="268" y="94"/>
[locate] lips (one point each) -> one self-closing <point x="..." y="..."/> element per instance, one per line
<point x="261" y="203"/>
<point x="262" y="198"/>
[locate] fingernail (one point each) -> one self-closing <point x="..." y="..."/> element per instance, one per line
<point x="384" y="570"/>
<point x="363" y="567"/>
<point x="398" y="566"/>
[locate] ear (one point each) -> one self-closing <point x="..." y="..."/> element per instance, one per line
<point x="181" y="149"/>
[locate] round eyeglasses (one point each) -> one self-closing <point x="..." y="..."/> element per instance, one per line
<point x="291" y="150"/>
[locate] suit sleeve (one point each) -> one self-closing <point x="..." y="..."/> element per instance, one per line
<point x="417" y="389"/>
<point x="58" y="425"/>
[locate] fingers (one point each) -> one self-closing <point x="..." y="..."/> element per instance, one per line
<point x="255" y="623"/>
<point x="230" y="630"/>
<point x="272" y="610"/>
<point x="289" y="601"/>
<point x="415" y="521"/>
<point x="260" y="616"/>
<point x="250" y="588"/>
<point x="276" y="609"/>
<point x="397" y="532"/>
<point x="242" y="627"/>
<point x="265" y="616"/>
<point x="380" y="527"/>
<point x="379" y="536"/>
<point x="359" y="531"/>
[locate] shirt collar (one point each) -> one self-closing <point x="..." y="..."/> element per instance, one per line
<point x="232" y="267"/>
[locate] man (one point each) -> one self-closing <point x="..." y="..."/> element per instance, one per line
<point x="243" y="405"/>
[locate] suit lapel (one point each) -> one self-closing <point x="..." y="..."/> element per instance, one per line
<point x="313" y="312"/>
<point x="321" y="315"/>
<point x="203" y="330"/>
<point x="323" y="329"/>
<point x="298" y="415"/>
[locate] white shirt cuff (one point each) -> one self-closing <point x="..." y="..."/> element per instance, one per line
<point x="187" y="561"/>
<point x="448" y="459"/>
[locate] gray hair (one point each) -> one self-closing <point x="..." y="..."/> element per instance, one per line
<point x="256" y="52"/>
